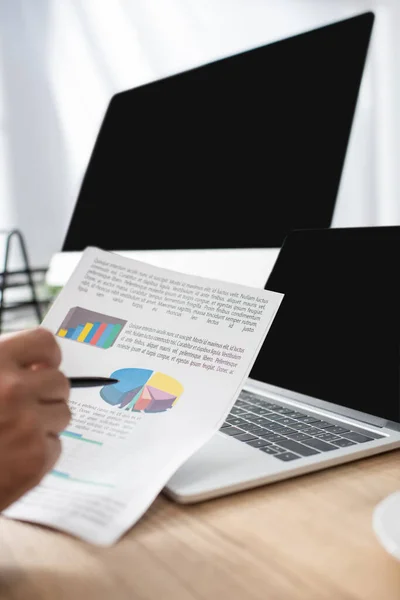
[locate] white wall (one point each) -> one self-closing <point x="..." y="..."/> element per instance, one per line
<point x="61" y="61"/>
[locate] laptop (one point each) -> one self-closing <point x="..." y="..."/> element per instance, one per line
<point x="324" y="389"/>
<point x="182" y="163"/>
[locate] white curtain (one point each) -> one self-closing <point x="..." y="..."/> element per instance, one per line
<point x="62" y="60"/>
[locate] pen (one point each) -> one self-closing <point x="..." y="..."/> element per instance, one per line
<point x="90" y="381"/>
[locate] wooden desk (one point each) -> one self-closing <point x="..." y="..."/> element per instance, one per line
<point x="306" y="538"/>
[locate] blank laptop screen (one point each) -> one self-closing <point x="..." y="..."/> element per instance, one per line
<point x="336" y="334"/>
<point x="192" y="160"/>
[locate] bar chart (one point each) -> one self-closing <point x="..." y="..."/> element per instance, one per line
<point x="79" y="437"/>
<point x="68" y="477"/>
<point x="88" y="327"/>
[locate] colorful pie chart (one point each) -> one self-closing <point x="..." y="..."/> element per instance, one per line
<point x="142" y="390"/>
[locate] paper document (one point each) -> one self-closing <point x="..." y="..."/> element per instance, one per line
<point x="181" y="347"/>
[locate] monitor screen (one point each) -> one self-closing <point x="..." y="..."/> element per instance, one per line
<point x="232" y="154"/>
<point x="336" y="336"/>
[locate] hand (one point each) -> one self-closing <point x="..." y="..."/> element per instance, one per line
<point x="33" y="410"/>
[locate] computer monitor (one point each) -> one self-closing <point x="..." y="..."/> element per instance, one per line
<point x="232" y="154"/>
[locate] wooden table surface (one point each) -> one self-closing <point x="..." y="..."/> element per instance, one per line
<point x="306" y="538"/>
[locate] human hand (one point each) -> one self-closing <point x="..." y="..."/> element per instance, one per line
<point x="33" y="410"/>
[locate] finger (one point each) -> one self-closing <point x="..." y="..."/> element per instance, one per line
<point x="38" y="366"/>
<point x="31" y="347"/>
<point x="48" y="384"/>
<point x="54" y="416"/>
<point x="53" y="451"/>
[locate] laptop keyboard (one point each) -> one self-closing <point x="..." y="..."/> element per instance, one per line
<point x="285" y="433"/>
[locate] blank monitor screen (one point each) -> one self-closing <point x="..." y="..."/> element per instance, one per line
<point x="233" y="154"/>
<point x="336" y="335"/>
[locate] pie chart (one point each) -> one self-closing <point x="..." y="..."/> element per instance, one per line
<point x="142" y="390"/>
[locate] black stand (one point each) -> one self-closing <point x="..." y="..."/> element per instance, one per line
<point x="18" y="277"/>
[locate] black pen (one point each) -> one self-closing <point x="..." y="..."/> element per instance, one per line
<point x="91" y="381"/>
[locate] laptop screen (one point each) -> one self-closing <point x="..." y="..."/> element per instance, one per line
<point x="336" y="334"/>
<point x="190" y="161"/>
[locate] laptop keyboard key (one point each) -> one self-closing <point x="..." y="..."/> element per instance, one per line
<point x="278" y="430"/>
<point x="300" y="416"/>
<point x="294" y="446"/>
<point x="299" y="437"/>
<point x="253" y="418"/>
<point x="245" y="394"/>
<point x="235" y="421"/>
<point x="271" y="437"/>
<point x="357" y="437"/>
<point x="255" y="409"/>
<point x="242" y="404"/>
<point x="275" y="417"/>
<point x="306" y="429"/>
<point x="269" y="450"/>
<point x="310" y="420"/>
<point x="252" y="428"/>
<point x="232" y="431"/>
<point x="301" y="426"/>
<point x="286" y="456"/>
<point x="259" y="410"/>
<point x="296" y="415"/>
<point x="263" y="422"/>
<point x="283" y="430"/>
<point x="322" y="424"/>
<point x="312" y="430"/>
<point x="224" y="425"/>
<point x="320" y="445"/>
<point x="336" y="429"/>
<point x="373" y="434"/>
<point x="327" y="437"/>
<point x="287" y="421"/>
<point x="259" y="443"/>
<point x="256" y="400"/>
<point x="282" y="410"/>
<point x="238" y="411"/>
<point x="246" y="437"/>
<point x="274" y="426"/>
<point x="270" y="406"/>
<point x="342" y="443"/>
